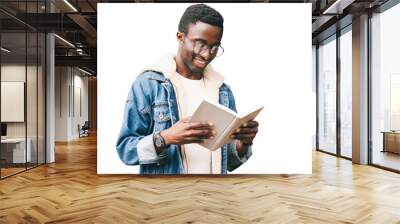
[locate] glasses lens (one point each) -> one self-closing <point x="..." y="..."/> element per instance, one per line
<point x="199" y="46"/>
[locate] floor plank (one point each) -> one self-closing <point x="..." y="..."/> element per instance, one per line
<point x="70" y="191"/>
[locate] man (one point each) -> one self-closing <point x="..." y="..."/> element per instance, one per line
<point x="156" y="132"/>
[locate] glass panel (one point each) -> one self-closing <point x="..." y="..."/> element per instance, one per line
<point x="386" y="89"/>
<point x="22" y="88"/>
<point x="31" y="84"/>
<point x="346" y="94"/>
<point x="31" y="100"/>
<point x="327" y="96"/>
<point x="13" y="89"/>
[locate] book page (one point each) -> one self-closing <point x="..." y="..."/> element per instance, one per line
<point x="220" y="116"/>
<point x="247" y="117"/>
<point x="250" y="116"/>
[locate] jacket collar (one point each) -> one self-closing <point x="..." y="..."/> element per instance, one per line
<point x="165" y="68"/>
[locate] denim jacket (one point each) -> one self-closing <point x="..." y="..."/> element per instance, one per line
<point x="152" y="106"/>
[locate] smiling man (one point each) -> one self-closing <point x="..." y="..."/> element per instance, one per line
<point x="156" y="132"/>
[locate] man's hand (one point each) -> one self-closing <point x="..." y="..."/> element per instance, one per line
<point x="185" y="132"/>
<point x="245" y="134"/>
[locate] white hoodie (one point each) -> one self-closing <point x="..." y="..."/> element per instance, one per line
<point x="190" y="93"/>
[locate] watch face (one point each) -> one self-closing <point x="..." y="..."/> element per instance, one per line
<point x="159" y="142"/>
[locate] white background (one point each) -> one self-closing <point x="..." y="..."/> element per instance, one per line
<point x="267" y="61"/>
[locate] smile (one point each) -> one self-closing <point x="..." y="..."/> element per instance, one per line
<point x="200" y="61"/>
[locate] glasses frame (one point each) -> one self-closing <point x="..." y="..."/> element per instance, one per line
<point x="199" y="47"/>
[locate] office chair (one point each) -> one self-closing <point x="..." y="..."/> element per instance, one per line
<point x="84" y="130"/>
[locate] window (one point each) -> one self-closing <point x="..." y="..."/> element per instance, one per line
<point x="385" y="89"/>
<point x="346" y="93"/>
<point x="327" y="96"/>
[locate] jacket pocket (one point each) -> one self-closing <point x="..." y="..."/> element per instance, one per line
<point x="161" y="116"/>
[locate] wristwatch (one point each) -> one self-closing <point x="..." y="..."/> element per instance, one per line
<point x="159" y="142"/>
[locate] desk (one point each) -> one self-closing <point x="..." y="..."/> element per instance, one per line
<point x="391" y="141"/>
<point x="15" y="148"/>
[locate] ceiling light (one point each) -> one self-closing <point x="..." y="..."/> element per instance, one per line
<point x="5" y="50"/>
<point x="338" y="6"/>
<point x="84" y="71"/>
<point x="70" y="5"/>
<point x="65" y="41"/>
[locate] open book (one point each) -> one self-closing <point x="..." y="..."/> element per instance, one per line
<point x="225" y="120"/>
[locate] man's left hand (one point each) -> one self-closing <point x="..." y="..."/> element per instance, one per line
<point x="246" y="132"/>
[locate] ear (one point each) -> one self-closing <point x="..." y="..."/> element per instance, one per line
<point x="180" y="36"/>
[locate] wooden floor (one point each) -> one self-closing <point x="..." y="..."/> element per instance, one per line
<point x="70" y="191"/>
<point x="10" y="171"/>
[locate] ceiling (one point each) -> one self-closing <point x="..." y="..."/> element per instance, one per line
<point x="76" y="22"/>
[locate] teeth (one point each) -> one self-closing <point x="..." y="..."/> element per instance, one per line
<point x="201" y="61"/>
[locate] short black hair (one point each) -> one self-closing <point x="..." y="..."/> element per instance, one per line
<point x="202" y="13"/>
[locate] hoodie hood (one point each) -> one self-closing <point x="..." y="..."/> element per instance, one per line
<point x="167" y="66"/>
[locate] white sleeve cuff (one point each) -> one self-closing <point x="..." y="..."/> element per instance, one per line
<point x="145" y="150"/>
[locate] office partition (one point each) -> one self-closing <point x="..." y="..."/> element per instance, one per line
<point x="22" y="77"/>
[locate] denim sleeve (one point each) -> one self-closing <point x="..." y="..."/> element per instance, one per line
<point x="135" y="127"/>
<point x="234" y="161"/>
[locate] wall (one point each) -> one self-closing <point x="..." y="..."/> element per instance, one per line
<point x="14" y="73"/>
<point x="17" y="73"/>
<point x="92" y="84"/>
<point x="71" y="102"/>
<point x="80" y="102"/>
<point x="314" y="91"/>
<point x="62" y="80"/>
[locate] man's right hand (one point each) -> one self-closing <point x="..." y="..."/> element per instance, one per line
<point x="186" y="132"/>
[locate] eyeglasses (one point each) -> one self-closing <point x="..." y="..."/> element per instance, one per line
<point x="200" y="46"/>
